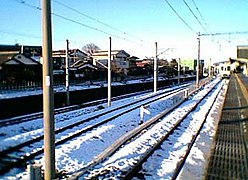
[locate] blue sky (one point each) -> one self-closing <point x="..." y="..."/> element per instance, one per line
<point x="134" y="25"/>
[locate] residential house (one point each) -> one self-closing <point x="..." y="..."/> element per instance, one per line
<point x="17" y="63"/>
<point x="119" y="58"/>
<point x="81" y="69"/>
<point x="133" y="62"/>
<point x="20" y="67"/>
<point x="73" y="54"/>
<point x="143" y="62"/>
<point x="59" y="58"/>
<point x="140" y="66"/>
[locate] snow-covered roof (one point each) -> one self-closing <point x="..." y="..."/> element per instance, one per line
<point x="71" y="52"/>
<point x="113" y="52"/>
<point x="82" y="64"/>
<point x="18" y="59"/>
<point x="6" y="55"/>
<point x="25" y="60"/>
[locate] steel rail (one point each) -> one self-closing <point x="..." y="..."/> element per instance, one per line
<point x="132" y="135"/>
<point x="34" y="116"/>
<point x="5" y="154"/>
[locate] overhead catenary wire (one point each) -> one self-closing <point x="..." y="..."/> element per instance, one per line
<point x="197" y="19"/>
<point x="209" y="32"/>
<point x="21" y="34"/>
<point x="203" y="19"/>
<point x="179" y="16"/>
<point x="26" y="35"/>
<point x="23" y="2"/>
<point x="65" y="18"/>
<point x="85" y="25"/>
<point x="225" y="33"/>
<point x="96" y="20"/>
<point x="93" y="28"/>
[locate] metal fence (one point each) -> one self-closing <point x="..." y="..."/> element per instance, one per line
<point x="31" y="85"/>
<point x="24" y="85"/>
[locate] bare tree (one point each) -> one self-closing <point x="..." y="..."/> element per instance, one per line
<point x="90" y="48"/>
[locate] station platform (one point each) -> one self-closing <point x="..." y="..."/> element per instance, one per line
<point x="229" y="155"/>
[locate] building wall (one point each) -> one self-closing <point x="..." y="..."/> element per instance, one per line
<point x="188" y="63"/>
<point x="242" y="52"/>
<point x="119" y="60"/>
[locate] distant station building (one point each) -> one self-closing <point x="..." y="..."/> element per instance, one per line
<point x="242" y="58"/>
<point x="238" y="64"/>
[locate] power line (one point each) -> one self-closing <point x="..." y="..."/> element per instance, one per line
<point x="210" y="32"/>
<point x="73" y="21"/>
<point x="90" y="27"/>
<point x="179" y="16"/>
<point x="194" y="15"/>
<point x="85" y="25"/>
<point x="21" y="34"/>
<point x="225" y="33"/>
<point x="203" y="19"/>
<point x="26" y="35"/>
<point x="63" y="17"/>
<point x="96" y="20"/>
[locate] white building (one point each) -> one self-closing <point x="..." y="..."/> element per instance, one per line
<point x="119" y="59"/>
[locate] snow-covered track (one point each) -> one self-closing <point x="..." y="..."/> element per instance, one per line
<point x="34" y="116"/>
<point x="18" y="154"/>
<point x="121" y="162"/>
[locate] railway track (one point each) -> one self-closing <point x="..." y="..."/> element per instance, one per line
<point x="19" y="153"/>
<point x="125" y="158"/>
<point x="34" y="116"/>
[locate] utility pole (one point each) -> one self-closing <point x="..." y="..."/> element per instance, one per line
<point x="109" y="73"/>
<point x="155" y="78"/>
<point x="198" y="62"/>
<point x="178" y="71"/>
<point x="48" y="97"/>
<point x="210" y="68"/>
<point x="67" y="74"/>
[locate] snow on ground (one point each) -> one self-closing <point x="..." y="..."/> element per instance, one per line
<point x="197" y="160"/>
<point x="7" y="94"/>
<point x="134" y="151"/>
<point x="77" y="153"/>
<point x="73" y="155"/>
<point x="12" y="135"/>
